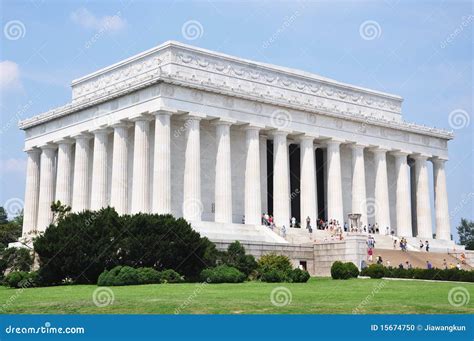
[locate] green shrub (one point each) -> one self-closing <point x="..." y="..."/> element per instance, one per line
<point x="274" y="263"/>
<point x="222" y="274"/>
<point x="127" y="276"/>
<point x="15" y="259"/>
<point x="22" y="279"/>
<point x="171" y="276"/>
<point x="275" y="276"/>
<point x="236" y="257"/>
<point x="375" y="271"/>
<point x="340" y="270"/>
<point x="299" y="276"/>
<point x="148" y="276"/>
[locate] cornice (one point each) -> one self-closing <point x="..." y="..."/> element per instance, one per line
<point x="187" y="66"/>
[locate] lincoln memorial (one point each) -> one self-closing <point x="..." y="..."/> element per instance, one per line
<point x="220" y="140"/>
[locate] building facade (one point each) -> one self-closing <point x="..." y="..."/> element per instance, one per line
<point x="218" y="139"/>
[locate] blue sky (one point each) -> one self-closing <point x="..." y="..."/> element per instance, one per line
<point x="419" y="50"/>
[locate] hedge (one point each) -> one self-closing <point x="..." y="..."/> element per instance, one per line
<point x="340" y="270"/>
<point x="379" y="271"/>
<point x="222" y="274"/>
<point x="126" y="275"/>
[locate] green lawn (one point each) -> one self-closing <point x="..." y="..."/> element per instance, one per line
<point x="319" y="295"/>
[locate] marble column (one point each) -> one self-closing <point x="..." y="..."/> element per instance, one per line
<point x="80" y="191"/>
<point x="263" y="173"/>
<point x="99" y="186"/>
<point x="223" y="178"/>
<point x="119" y="185"/>
<point x="381" y="201"/>
<point x="443" y="227"/>
<point x="46" y="191"/>
<point x="64" y="171"/>
<point x="309" y="204"/>
<point x="161" y="202"/>
<point x="281" y="180"/>
<point x="359" y="193"/>
<point x="32" y="188"/>
<point x="423" y="208"/>
<point x="403" y="200"/>
<point x="334" y="182"/>
<point x="141" y="166"/>
<point x="253" y="202"/>
<point x="192" y="204"/>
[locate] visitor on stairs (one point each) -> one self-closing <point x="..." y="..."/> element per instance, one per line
<point x="427" y="246"/>
<point x="293" y="222"/>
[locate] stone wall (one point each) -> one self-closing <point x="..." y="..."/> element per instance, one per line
<point x="318" y="257"/>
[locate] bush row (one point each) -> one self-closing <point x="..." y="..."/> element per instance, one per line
<point x="379" y="271"/>
<point x="22" y="279"/>
<point x="126" y="275"/>
<point x="340" y="270"/>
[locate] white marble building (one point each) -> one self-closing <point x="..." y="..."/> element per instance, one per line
<point x="213" y="138"/>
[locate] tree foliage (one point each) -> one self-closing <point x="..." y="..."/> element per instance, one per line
<point x="466" y="233"/>
<point x="82" y="245"/>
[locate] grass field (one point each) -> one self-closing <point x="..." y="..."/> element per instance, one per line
<point x="319" y="295"/>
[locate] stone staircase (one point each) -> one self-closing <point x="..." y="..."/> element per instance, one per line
<point x="416" y="258"/>
<point x="232" y="232"/>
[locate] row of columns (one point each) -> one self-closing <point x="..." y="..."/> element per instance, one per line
<point x="41" y="181"/>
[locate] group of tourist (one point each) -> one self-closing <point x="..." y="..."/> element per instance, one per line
<point x="426" y="246"/>
<point x="402" y="244"/>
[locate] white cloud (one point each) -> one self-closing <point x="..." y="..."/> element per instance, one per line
<point x="86" y="19"/>
<point x="13" y="166"/>
<point x="9" y="75"/>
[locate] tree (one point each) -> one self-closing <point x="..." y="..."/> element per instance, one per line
<point x="466" y="233"/>
<point x="82" y="245"/>
<point x="236" y="257"/>
<point x="3" y="216"/>
<point x="59" y="210"/>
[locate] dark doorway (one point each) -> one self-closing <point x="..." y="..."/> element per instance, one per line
<point x="270" y="176"/>
<point x="295" y="183"/>
<point x="320" y="175"/>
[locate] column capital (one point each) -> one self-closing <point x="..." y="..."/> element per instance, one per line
<point x="334" y="142"/>
<point x="253" y="126"/>
<point x="420" y="157"/>
<point x="437" y="160"/>
<point x="400" y="153"/>
<point x="193" y="116"/>
<point x="358" y="146"/>
<point x="48" y="146"/>
<point x="165" y="111"/>
<point x="64" y="140"/>
<point x="144" y="116"/>
<point x="280" y="132"/>
<point x="99" y="131"/>
<point x="82" y="136"/>
<point x="32" y="150"/>
<point x="379" y="149"/>
<point x="306" y="137"/>
<point x="121" y="124"/>
<point x="223" y="122"/>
